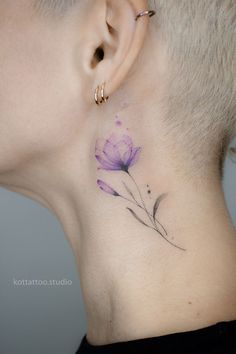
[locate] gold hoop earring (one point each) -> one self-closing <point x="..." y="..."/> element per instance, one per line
<point x="102" y="94"/>
<point x="96" y="98"/>
<point x="104" y="99"/>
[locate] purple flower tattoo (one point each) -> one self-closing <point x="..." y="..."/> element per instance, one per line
<point x="106" y="188"/>
<point x="116" y="154"/>
<point x="119" y="154"/>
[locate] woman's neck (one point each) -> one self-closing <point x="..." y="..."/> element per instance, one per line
<point x="141" y="232"/>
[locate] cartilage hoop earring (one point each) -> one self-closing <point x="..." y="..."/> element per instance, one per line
<point x="149" y="13"/>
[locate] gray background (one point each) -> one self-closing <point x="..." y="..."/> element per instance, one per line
<point x="44" y="319"/>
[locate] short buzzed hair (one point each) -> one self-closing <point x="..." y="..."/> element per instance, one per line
<point x="200" y="103"/>
<point x="53" y="7"/>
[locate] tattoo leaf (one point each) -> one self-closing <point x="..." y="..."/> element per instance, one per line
<point x="137" y="217"/>
<point x="157" y="203"/>
<point x="129" y="191"/>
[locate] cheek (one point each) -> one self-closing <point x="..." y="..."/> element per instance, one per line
<point x="38" y="102"/>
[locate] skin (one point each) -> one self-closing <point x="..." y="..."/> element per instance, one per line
<point x="133" y="282"/>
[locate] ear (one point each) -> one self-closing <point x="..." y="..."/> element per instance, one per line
<point x="112" y="41"/>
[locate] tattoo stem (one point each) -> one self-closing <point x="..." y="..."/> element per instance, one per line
<point x="156" y="221"/>
<point x="153" y="222"/>
<point x="141" y="198"/>
<point x="183" y="249"/>
<point x="154" y="228"/>
<point x="135" y="203"/>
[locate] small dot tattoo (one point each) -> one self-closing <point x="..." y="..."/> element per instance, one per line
<point x="125" y="105"/>
<point x="149" y="190"/>
<point x="118" y="123"/>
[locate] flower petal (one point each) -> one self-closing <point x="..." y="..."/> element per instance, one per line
<point x="135" y="156"/>
<point x="124" y="150"/>
<point x="99" y="145"/>
<point x="127" y="155"/>
<point x="113" y="139"/>
<point x="114" y="154"/>
<point x="106" y="188"/>
<point x="127" y="139"/>
<point x="105" y="164"/>
<point x="111" y="152"/>
<point x="125" y="146"/>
